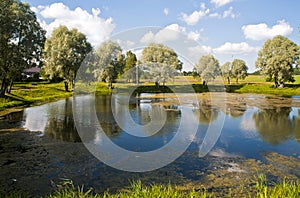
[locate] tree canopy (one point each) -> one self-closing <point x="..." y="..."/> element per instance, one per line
<point x="159" y="53"/>
<point x="64" y="52"/>
<point x="130" y="63"/>
<point x="161" y="61"/>
<point x="208" y="68"/>
<point x="21" y="41"/>
<point x="110" y="62"/>
<point x="239" y="69"/>
<point x="277" y="58"/>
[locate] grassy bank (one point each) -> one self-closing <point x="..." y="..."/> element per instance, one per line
<point x="261" y="189"/>
<point x="24" y="94"/>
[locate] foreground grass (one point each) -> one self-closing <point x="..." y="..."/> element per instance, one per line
<point x="261" y="190"/>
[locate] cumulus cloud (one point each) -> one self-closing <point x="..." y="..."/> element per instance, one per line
<point x="96" y="29"/>
<point x="170" y="33"/>
<point x="200" y="50"/>
<point x="235" y="48"/>
<point x="262" y="31"/>
<point x="220" y="3"/>
<point x="166" y="11"/>
<point x="193" y="19"/>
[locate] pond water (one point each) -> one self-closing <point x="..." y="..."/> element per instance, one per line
<point x="253" y="125"/>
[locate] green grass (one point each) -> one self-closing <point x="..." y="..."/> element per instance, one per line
<point x="261" y="189"/>
<point x="24" y="94"/>
<point x="288" y="90"/>
<point x="285" y="189"/>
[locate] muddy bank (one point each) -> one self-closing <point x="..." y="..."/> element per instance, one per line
<point x="36" y="165"/>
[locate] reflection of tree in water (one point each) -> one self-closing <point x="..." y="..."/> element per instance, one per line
<point x="297" y="126"/>
<point x="106" y="117"/>
<point x="60" y="123"/>
<point x="236" y="107"/>
<point x="274" y="125"/>
<point x="206" y="113"/>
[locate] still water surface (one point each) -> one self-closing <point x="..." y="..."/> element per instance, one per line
<point x="253" y="124"/>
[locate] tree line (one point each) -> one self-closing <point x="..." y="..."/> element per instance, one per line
<point x="23" y="44"/>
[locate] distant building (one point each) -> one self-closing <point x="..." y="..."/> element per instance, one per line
<point x="32" y="73"/>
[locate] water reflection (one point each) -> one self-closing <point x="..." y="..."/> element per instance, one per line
<point x="256" y="116"/>
<point x="274" y="125"/>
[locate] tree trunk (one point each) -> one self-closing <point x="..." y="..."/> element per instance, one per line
<point x="3" y="88"/>
<point x="275" y="82"/>
<point x="73" y="85"/>
<point x="66" y="86"/>
<point x="228" y="79"/>
<point x="237" y="81"/>
<point x="10" y="86"/>
<point x="157" y="84"/>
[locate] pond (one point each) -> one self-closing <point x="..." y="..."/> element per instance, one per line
<point x="258" y="133"/>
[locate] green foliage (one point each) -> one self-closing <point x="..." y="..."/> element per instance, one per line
<point x="21" y="41"/>
<point x="130" y="63"/>
<point x="208" y="68"/>
<point x="226" y="71"/>
<point x="159" y="53"/>
<point x="161" y="62"/>
<point x="276" y="59"/>
<point x="65" y="50"/>
<point x="110" y="62"/>
<point x="239" y="69"/>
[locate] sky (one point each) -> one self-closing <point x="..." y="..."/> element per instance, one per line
<point x="228" y="29"/>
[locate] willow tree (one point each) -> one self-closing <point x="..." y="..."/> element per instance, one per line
<point x="208" y="68"/>
<point x="21" y="41"/>
<point x="226" y="71"/>
<point x="277" y="58"/>
<point x="65" y="50"/>
<point x="239" y="69"/>
<point x="164" y="62"/>
<point x="110" y="62"/>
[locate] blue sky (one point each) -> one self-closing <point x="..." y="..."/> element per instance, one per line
<point x="227" y="29"/>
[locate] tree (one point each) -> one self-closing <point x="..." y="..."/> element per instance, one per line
<point x="21" y="41"/>
<point x="277" y="58"/>
<point x="110" y="62"/>
<point x="130" y="62"/>
<point x="239" y="69"/>
<point x="64" y="52"/>
<point x="226" y="71"/>
<point x="208" y="68"/>
<point x="166" y="61"/>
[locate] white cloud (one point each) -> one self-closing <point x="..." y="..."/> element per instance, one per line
<point x="235" y="48"/>
<point x="194" y="18"/>
<point x="220" y="3"/>
<point x="262" y="31"/>
<point x="229" y="13"/>
<point x="166" y="11"/>
<point x="170" y="33"/>
<point x="215" y="15"/>
<point x="96" y="29"/>
<point x="198" y="51"/>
